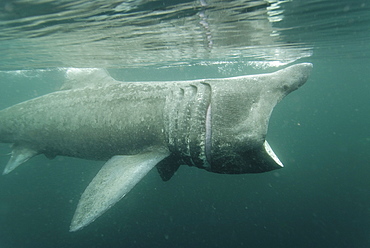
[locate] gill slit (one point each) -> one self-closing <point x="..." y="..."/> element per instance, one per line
<point x="208" y="141"/>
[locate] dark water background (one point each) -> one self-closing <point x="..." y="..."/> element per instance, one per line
<point x="320" y="199"/>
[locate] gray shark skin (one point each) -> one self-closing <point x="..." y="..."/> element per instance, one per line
<point x="218" y="125"/>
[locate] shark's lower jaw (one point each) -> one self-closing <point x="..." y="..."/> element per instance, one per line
<point x="259" y="160"/>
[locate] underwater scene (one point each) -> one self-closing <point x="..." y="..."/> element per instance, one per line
<point x="202" y="123"/>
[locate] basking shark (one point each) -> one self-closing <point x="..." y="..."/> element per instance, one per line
<point x="218" y="125"/>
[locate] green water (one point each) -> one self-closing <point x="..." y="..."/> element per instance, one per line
<point x="320" y="199"/>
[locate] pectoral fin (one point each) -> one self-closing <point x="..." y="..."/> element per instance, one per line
<point x="168" y="167"/>
<point x="20" y="154"/>
<point x="115" y="179"/>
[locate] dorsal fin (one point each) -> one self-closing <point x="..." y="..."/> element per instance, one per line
<point x="84" y="77"/>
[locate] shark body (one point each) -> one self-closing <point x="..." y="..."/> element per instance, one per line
<point x="218" y="125"/>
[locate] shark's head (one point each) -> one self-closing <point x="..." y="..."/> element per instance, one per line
<point x="239" y="120"/>
<point x="220" y="125"/>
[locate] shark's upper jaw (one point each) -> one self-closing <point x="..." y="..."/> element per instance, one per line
<point x="218" y="125"/>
